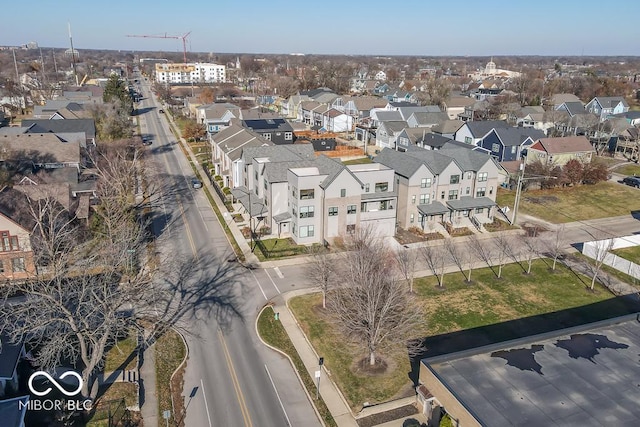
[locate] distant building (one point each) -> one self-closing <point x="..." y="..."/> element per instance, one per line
<point x="190" y="73"/>
<point x="491" y="70"/>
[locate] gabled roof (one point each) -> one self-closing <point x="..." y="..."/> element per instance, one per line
<point x="259" y="125"/>
<point x="459" y="101"/>
<point x="568" y="144"/>
<point x="218" y="111"/>
<point x="88" y="126"/>
<point x="406" y="164"/>
<point x="560" y="98"/>
<point x="428" y="118"/>
<point x="448" y="126"/>
<point x="259" y="114"/>
<point x="235" y="138"/>
<point x="14" y="205"/>
<point x="41" y="148"/>
<point x="394" y="126"/>
<point x="289" y="152"/>
<point x="573" y="108"/>
<point x="386" y="116"/>
<point x="610" y="101"/>
<point x="516" y="136"/>
<point x="407" y="111"/>
<point x="366" y="103"/>
<point x="480" y="128"/>
<point x="469" y="160"/>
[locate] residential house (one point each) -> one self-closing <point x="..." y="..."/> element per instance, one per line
<point x="289" y="108"/>
<point x="360" y="107"/>
<point x="558" y="151"/>
<point x="42" y="150"/>
<point x="16" y="225"/>
<point x="276" y="130"/>
<point x="226" y="151"/>
<point x="310" y="113"/>
<point x="420" y="137"/>
<point x="13" y="411"/>
<point x="380" y="76"/>
<point x="379" y="116"/>
<point x="507" y="144"/>
<point x="337" y="121"/>
<point x="406" y="109"/>
<point x="476" y="111"/>
<point x="426" y="119"/>
<point x="448" y="128"/>
<point x="216" y="117"/>
<point x="632" y="117"/>
<point x="560" y="98"/>
<point x="87" y="127"/>
<point x="388" y="132"/>
<point x="605" y="106"/>
<point x="448" y="185"/>
<point x="472" y="132"/>
<point x="454" y="106"/>
<point x="344" y="198"/>
<point x="572" y="108"/>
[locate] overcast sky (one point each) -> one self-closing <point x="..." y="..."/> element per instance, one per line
<point x="373" y="27"/>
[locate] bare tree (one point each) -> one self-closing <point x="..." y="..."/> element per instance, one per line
<point x="556" y="244"/>
<point x="371" y="306"/>
<point x="482" y="250"/>
<point x="461" y="258"/>
<point x="503" y="251"/>
<point x="406" y="262"/>
<point x="531" y="249"/>
<point x="436" y="260"/>
<point x="601" y="249"/>
<point x="321" y="270"/>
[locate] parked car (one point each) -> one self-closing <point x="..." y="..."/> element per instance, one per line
<point x="196" y="183"/>
<point x="633" y="181"/>
<point x="147" y="141"/>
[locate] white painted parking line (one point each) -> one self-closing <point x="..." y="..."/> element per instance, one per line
<point x="278" y="272"/>
<point x="274" y="283"/>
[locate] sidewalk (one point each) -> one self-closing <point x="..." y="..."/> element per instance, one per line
<point x="328" y="390"/>
<point x="148" y="394"/>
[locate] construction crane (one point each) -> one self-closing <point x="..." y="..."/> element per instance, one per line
<point x="165" y="36"/>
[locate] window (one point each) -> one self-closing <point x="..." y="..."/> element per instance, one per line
<point x="385" y="204"/>
<point x="382" y="187"/>
<point x="453" y="194"/>
<point x="442" y="195"/>
<point x="351" y="209"/>
<point x="413" y="199"/>
<point x="482" y="176"/>
<point x="411" y="218"/>
<point x="490" y="190"/>
<point x="467" y="191"/>
<point x="333" y="211"/>
<point x="366" y="187"/>
<point x="294" y="192"/>
<point x="481" y="191"/>
<point x="343" y="192"/>
<point x="454" y="179"/>
<point x="288" y="136"/>
<point x="424" y="199"/>
<point x="9" y="242"/>
<point x="267" y="136"/>
<point x="18" y="265"/>
<point x="479" y="210"/>
<point x="351" y="228"/>
<point x="514" y="149"/>
<point x="293" y="229"/>
<point x="468" y="140"/>
<point x="306" y="194"/>
<point x="256" y="175"/>
<point x="306" y="231"/>
<point x="425" y="183"/>
<point x="294" y="211"/>
<point x="495" y="147"/>
<point x="306" y="211"/>
<point x="468" y="175"/>
<point x="266" y="185"/>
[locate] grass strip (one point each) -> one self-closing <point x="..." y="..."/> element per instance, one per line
<point x="273" y="333"/>
<point x="170" y="352"/>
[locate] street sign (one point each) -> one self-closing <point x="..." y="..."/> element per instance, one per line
<point x="321" y="361"/>
<point x="318" y="374"/>
<point x="166" y="414"/>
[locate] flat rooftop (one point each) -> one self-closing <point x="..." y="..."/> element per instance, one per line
<point x="583" y="376"/>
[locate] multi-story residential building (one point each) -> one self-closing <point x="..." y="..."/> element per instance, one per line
<point x="190" y="73"/>
<point x="605" y="106"/>
<point x="16" y="254"/>
<point x="447" y="185"/>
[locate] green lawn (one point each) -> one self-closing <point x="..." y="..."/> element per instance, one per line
<point x="120" y="352"/>
<point x="583" y="202"/>
<point x="459" y="306"/>
<point x="273" y="333"/>
<point x="361" y="161"/>
<point x="278" y="248"/>
<point x="630" y="169"/>
<point x="170" y="352"/>
<point x="631" y="253"/>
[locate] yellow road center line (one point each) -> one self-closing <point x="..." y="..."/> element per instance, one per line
<point x="236" y="383"/>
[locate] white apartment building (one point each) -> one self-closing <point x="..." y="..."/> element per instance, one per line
<point x="190" y="73"/>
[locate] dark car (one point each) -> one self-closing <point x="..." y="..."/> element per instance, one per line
<point x="161" y="111"/>
<point x="147" y="141"/>
<point x="196" y="183"/>
<point x="633" y="181"/>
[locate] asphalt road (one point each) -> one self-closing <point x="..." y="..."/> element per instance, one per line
<point x="231" y="379"/>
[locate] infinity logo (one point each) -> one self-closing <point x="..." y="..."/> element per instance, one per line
<point x="55" y="383"/>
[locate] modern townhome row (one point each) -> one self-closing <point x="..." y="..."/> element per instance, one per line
<point x="293" y="192"/>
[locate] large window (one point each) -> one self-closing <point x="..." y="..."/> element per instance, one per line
<point x="424" y="199"/>
<point x="333" y="211"/>
<point x="453" y="194"/>
<point x="306" y="231"/>
<point x="425" y="183"/>
<point x="454" y="179"/>
<point x="382" y="187"/>
<point x="482" y="176"/>
<point x="9" y="242"/>
<point x="351" y="209"/>
<point x="307" y="194"/>
<point x="495" y="147"/>
<point x="306" y="211"/>
<point x="481" y="191"/>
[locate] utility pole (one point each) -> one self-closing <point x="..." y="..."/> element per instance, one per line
<point x="73" y="56"/>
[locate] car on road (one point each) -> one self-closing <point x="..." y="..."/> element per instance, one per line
<point x="147" y="141"/>
<point x="161" y="111"/>
<point x="633" y="181"/>
<point x="196" y="183"/>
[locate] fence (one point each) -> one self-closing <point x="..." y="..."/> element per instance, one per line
<point x="594" y="250"/>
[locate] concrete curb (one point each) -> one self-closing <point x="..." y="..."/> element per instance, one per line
<point x="293" y="366"/>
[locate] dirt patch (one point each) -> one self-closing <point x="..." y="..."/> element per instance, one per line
<point x="542" y="200"/>
<point x="385" y="417"/>
<point x="362" y="367"/>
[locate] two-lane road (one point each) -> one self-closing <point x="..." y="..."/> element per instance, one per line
<point x="231" y="378"/>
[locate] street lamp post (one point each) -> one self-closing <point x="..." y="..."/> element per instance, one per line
<point x="521" y="179"/>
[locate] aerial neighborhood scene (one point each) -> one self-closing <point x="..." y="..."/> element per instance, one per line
<point x="355" y="216"/>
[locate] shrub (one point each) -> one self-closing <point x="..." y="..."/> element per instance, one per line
<point x="226" y="190"/>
